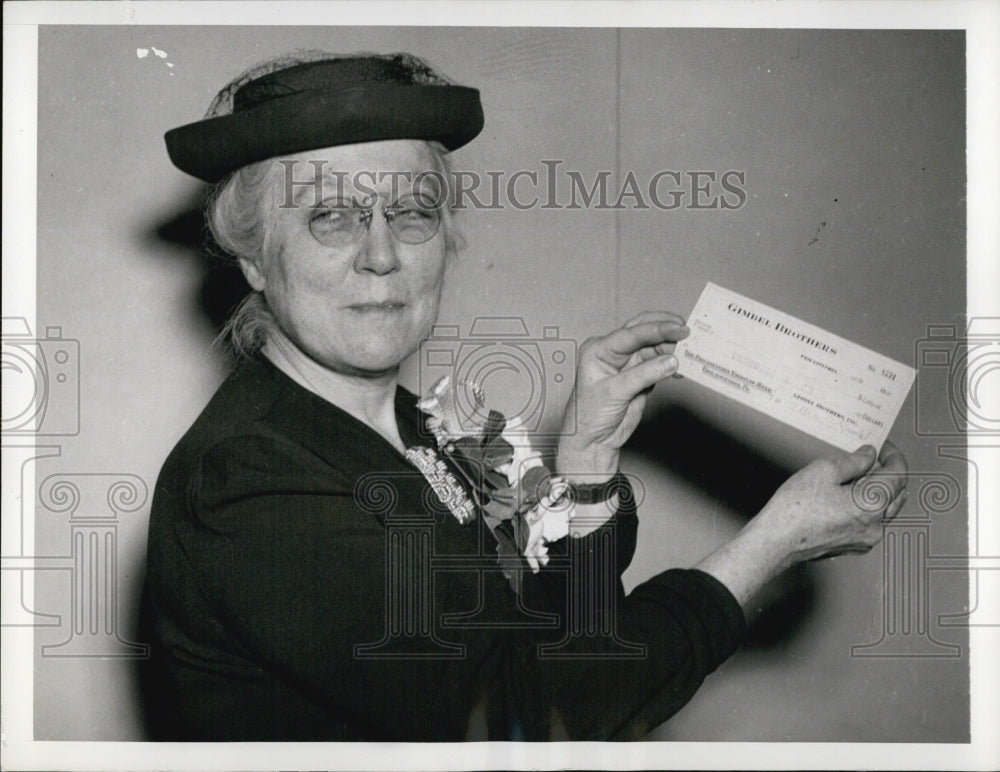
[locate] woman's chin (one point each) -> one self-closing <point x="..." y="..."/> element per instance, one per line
<point x="377" y="361"/>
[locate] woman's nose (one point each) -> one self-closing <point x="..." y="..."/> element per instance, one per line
<point x="377" y="253"/>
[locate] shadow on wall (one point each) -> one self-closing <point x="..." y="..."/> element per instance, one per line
<point x="742" y="481"/>
<point x="141" y="693"/>
<point x="222" y="285"/>
<point x="220" y="288"/>
<point x="149" y="689"/>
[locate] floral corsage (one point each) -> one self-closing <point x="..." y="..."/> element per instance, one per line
<point x="523" y="503"/>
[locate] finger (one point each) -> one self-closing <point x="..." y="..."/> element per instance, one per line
<point x="850" y="466"/>
<point x="848" y="550"/>
<point x="649" y="352"/>
<point x="892" y="469"/>
<point x="616" y="347"/>
<point x="895" y="506"/>
<point x="655" y="316"/>
<point x="892" y="458"/>
<point x="641" y="378"/>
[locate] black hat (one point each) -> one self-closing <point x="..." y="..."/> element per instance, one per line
<point x="334" y="101"/>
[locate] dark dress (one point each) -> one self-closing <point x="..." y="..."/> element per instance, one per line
<point x="304" y="583"/>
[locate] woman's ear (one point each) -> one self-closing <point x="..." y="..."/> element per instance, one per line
<point x="253" y="274"/>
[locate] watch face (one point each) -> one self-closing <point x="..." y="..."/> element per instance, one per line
<point x="593" y="494"/>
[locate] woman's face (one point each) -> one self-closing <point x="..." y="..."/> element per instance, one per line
<point x="362" y="307"/>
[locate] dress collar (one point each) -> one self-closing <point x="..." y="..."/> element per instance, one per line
<point x="320" y="422"/>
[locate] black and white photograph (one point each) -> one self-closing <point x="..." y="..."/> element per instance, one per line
<point x="446" y="386"/>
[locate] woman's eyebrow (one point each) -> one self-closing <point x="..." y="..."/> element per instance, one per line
<point x="312" y="190"/>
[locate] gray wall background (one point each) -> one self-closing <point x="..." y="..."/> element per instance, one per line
<point x="853" y="147"/>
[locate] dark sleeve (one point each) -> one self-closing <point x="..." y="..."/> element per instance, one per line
<point x="622" y="665"/>
<point x="294" y="573"/>
<point x="623" y="681"/>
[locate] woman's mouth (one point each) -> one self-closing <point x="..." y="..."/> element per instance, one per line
<point x="384" y="306"/>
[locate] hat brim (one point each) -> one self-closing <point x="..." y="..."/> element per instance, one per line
<point x="213" y="148"/>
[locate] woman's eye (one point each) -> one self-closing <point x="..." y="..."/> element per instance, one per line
<point x="413" y="225"/>
<point x="331" y="218"/>
<point x="407" y="215"/>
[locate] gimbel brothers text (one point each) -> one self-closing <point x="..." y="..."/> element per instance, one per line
<point x="312" y="183"/>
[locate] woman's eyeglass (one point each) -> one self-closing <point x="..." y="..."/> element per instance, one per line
<point x="343" y="224"/>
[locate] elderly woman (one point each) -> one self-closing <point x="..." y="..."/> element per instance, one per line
<point x="289" y="604"/>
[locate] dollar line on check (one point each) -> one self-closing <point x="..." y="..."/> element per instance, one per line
<point x="791" y="370"/>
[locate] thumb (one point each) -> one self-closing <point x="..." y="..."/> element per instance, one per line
<point x="850" y="466"/>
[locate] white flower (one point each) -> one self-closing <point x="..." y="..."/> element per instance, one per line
<point x="442" y="407"/>
<point x="536" y="550"/>
<point x="525" y="456"/>
<point x="547" y="522"/>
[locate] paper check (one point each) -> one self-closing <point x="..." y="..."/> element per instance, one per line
<point x="791" y="370"/>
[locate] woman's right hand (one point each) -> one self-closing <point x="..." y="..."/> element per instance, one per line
<point x="834" y="506"/>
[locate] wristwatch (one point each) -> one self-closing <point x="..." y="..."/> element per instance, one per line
<point x="596" y="493"/>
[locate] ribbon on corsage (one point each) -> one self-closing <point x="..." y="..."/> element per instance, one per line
<point x="523" y="503"/>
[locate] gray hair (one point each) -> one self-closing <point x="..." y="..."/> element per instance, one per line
<point x="238" y="219"/>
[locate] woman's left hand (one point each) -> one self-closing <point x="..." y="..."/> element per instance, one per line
<point x="614" y="374"/>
